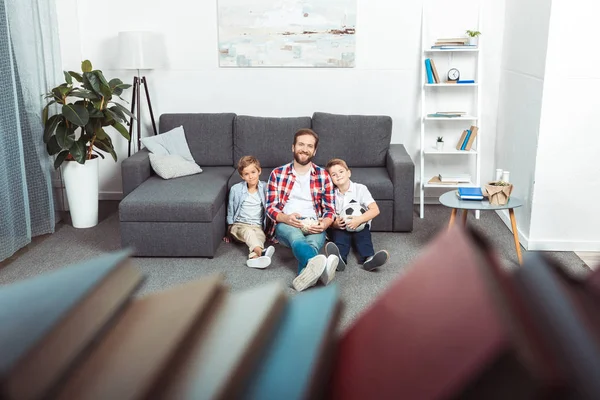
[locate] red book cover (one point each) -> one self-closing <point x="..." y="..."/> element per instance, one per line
<point x="430" y="334"/>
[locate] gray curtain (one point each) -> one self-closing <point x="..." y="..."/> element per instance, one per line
<point x="29" y="67"/>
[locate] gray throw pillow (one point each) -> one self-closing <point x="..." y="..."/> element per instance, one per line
<point x="173" y="166"/>
<point x="169" y="143"/>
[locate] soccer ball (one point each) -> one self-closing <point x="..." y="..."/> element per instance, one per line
<point x="351" y="210"/>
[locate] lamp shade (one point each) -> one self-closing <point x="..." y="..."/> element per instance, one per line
<point x="141" y="50"/>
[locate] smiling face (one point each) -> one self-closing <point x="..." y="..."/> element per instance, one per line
<point x="339" y="175"/>
<point x="250" y="175"/>
<point x="304" y="149"/>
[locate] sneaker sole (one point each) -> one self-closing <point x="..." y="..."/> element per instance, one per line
<point x="270" y="251"/>
<point x="329" y="250"/>
<point x="380" y="258"/>
<point x="311" y="274"/>
<point x="330" y="268"/>
<point x="259" y="262"/>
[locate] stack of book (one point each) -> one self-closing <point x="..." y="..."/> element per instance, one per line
<point x="455" y="324"/>
<point x="452" y="43"/>
<point x="79" y="333"/>
<point x="431" y="71"/>
<point x="467" y="138"/>
<point x="447" y="114"/>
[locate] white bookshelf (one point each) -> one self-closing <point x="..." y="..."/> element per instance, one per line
<point x="433" y="161"/>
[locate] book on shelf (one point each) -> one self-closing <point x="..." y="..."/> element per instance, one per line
<point x="429" y="71"/>
<point x="461" y="140"/>
<point x="47" y="321"/>
<point x="456" y="178"/>
<point x="470" y="193"/>
<point x="447" y="114"/>
<point x="471" y="138"/>
<point x="436" y="181"/>
<point x="137" y="350"/>
<point x="464" y="144"/>
<point x="436" y="77"/>
<point x="447" y="46"/>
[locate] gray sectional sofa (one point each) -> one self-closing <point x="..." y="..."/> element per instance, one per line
<point x="186" y="216"/>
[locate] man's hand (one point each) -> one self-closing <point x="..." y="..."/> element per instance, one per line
<point x="321" y="226"/>
<point x="290" y="219"/>
<point x="339" y="223"/>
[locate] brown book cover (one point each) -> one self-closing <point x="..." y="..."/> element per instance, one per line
<point x="219" y="358"/>
<point x="131" y="356"/>
<point x="439" y="331"/>
<point x="58" y="315"/>
<point x="436" y="77"/>
<point x="461" y="140"/>
<point x="474" y="131"/>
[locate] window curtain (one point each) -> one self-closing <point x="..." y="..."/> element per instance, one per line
<point x="29" y="66"/>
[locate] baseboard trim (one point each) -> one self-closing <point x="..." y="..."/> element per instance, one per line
<point x="548" y="245"/>
<point x="110" y="196"/>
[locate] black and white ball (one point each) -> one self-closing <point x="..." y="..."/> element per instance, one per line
<point x="351" y="210"/>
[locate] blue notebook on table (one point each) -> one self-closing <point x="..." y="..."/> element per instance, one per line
<point x="470" y="193"/>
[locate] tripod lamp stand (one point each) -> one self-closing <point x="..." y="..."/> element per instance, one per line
<point x="140" y="51"/>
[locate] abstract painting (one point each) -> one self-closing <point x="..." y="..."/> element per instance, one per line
<point x="287" y="33"/>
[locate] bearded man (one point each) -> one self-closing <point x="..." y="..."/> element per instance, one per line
<point x="300" y="202"/>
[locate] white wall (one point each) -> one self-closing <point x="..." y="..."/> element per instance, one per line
<point x="386" y="79"/>
<point x="520" y="99"/>
<point x="565" y="206"/>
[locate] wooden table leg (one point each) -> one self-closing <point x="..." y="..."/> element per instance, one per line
<point x="452" y="218"/>
<point x="464" y="217"/>
<point x="513" y="223"/>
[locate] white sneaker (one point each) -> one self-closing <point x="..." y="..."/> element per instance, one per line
<point x="269" y="251"/>
<point x="330" y="267"/>
<point x="311" y="274"/>
<point x="259" y="262"/>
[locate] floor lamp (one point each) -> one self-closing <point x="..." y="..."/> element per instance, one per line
<point x="140" y="51"/>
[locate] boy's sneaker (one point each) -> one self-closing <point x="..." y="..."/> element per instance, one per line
<point x="311" y="273"/>
<point x="259" y="262"/>
<point x="380" y="258"/>
<point x="331" y="248"/>
<point x="269" y="251"/>
<point x="330" y="267"/>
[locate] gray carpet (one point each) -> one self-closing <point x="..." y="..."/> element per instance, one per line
<point x="358" y="287"/>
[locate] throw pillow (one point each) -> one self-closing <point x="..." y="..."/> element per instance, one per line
<point x="169" y="143"/>
<point x="173" y="166"/>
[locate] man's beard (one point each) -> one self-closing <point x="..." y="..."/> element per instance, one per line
<point x="297" y="158"/>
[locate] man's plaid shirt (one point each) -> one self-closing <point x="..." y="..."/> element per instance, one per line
<point x="280" y="186"/>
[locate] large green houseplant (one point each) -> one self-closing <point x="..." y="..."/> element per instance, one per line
<point x="77" y="132"/>
<point x="76" y="135"/>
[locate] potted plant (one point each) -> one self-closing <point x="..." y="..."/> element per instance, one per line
<point x="498" y="192"/>
<point x="439" y="144"/>
<point x="473" y="37"/>
<point x="76" y="135"/>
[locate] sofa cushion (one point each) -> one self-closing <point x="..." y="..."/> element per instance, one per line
<point x="377" y="180"/>
<point x="209" y="136"/>
<point x="268" y="139"/>
<point x="360" y="140"/>
<point x="194" y="198"/>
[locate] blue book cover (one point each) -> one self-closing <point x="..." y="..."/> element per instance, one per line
<point x="467" y="136"/>
<point x="290" y="362"/>
<point x="466" y="81"/>
<point x="470" y="193"/>
<point x="429" y="71"/>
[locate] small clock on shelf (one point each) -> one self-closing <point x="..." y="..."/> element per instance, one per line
<point x="453" y="75"/>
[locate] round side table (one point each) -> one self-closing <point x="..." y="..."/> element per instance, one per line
<point x="451" y="200"/>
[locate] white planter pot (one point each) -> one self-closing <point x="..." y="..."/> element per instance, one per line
<point x="81" y="184"/>
<point x="439" y="146"/>
<point x="473" y="41"/>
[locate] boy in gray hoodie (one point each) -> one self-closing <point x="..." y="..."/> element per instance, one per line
<point x="246" y="213"/>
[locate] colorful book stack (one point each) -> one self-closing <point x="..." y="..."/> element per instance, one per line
<point x="431" y="71"/>
<point x="452" y="44"/>
<point x="467" y="138"/>
<point x="79" y="333"/>
<point x="455" y="324"/>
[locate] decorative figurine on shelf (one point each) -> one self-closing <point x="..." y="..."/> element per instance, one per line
<point x="473" y="37"/>
<point x="439" y="144"/>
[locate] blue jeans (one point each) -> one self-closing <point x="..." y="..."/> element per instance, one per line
<point x="303" y="246"/>
<point x="344" y="240"/>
